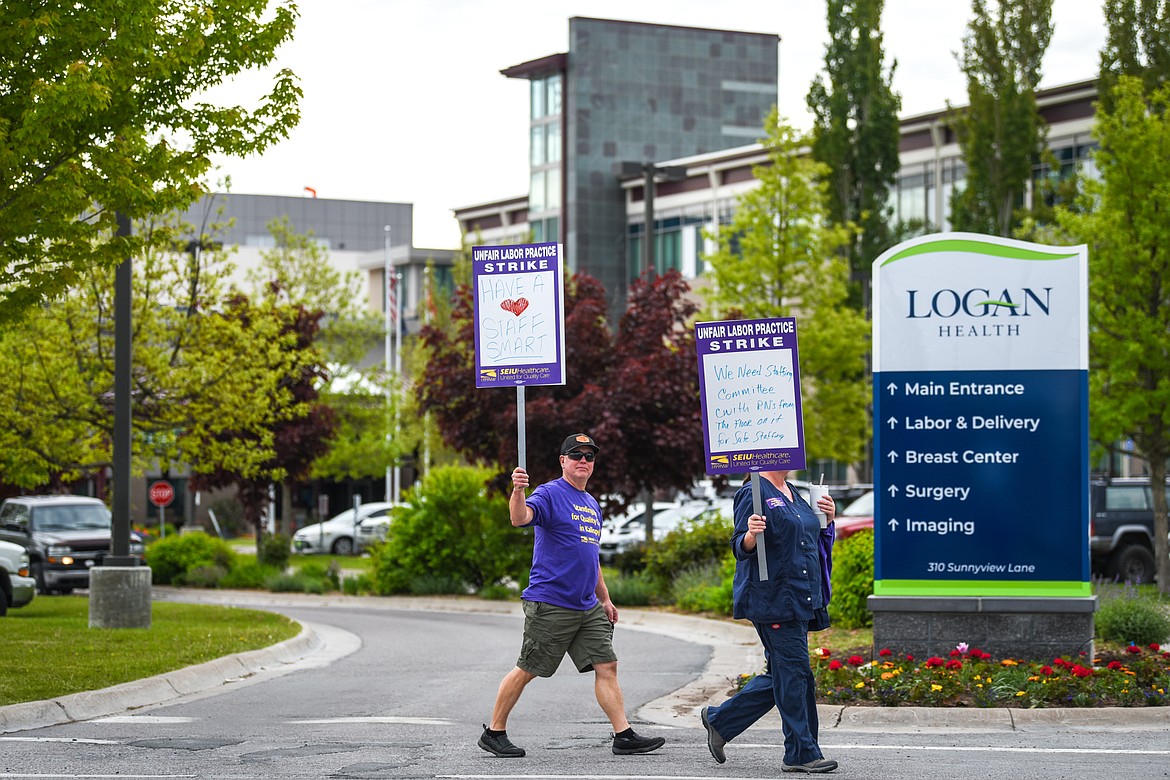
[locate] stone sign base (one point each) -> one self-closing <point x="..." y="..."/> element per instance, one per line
<point x="119" y="597"/>
<point x="1034" y="629"/>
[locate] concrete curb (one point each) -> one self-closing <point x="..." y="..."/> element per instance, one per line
<point x="158" y="689"/>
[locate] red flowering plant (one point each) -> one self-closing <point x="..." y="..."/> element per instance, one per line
<point x="1136" y="677"/>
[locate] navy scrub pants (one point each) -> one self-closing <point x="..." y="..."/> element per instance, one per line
<point x="788" y="686"/>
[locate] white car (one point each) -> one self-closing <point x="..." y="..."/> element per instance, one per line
<point x="346" y="533"/>
<point x="630" y="529"/>
<point x="17" y="587"/>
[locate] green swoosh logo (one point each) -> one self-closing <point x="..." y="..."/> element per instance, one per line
<point x="977" y="248"/>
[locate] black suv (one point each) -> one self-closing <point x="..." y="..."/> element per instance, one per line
<point x="65" y="536"/>
<point x="1121" y="528"/>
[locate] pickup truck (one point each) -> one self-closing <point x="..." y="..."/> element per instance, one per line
<point x="65" y="537"/>
<point x="1121" y="528"/>
<point x="17" y="588"/>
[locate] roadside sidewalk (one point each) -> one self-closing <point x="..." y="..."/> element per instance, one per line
<point x="734" y="649"/>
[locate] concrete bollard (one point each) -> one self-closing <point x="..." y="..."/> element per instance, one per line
<point x="119" y="597"/>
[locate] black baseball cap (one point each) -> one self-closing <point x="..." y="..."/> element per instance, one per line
<point x="579" y="440"/>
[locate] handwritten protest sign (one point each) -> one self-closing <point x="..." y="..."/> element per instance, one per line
<point x="749" y="387"/>
<point x="519" y="315"/>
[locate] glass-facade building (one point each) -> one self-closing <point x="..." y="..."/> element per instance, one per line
<point x="631" y="93"/>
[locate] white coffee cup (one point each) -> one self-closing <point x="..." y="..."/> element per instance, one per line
<point x="814" y="496"/>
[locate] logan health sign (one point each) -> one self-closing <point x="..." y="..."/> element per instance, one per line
<point x="981" y="418"/>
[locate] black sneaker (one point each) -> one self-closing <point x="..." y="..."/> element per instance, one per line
<point x="624" y="746"/>
<point x="715" y="742"/>
<point x="499" y="745"/>
<point x="817" y="767"/>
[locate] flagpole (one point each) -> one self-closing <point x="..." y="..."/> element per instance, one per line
<point x="398" y="377"/>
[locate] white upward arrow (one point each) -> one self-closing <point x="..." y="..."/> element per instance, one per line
<point x="893" y="422"/>
<point x="893" y="524"/>
<point x="893" y="490"/>
<point x="893" y="456"/>
<point x="892" y="387"/>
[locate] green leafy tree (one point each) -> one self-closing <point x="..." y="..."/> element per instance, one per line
<point x="298" y="275"/>
<point x="197" y="370"/>
<point x="635" y="391"/>
<point x="1000" y="132"/>
<point x="856" y="133"/>
<point x="481" y="424"/>
<point x="1137" y="44"/>
<point x="1123" y="221"/>
<point x="296" y="427"/>
<point x="453" y="530"/>
<point x="101" y="112"/>
<point x="780" y="257"/>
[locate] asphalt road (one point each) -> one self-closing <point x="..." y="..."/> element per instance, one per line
<point x="396" y="689"/>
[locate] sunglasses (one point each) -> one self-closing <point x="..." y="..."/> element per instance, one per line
<point x="577" y="455"/>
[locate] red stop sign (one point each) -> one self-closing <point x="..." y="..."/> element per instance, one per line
<point x="161" y="493"/>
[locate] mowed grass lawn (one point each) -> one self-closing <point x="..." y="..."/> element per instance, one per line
<point x="47" y="649"/>
<point x="247" y="546"/>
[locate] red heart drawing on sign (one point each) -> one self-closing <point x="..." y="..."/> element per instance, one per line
<point x="517" y="306"/>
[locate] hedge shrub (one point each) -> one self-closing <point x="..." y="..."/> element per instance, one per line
<point x="700" y="545"/>
<point x="1129" y="618"/>
<point x="852" y="581"/>
<point x="452" y="532"/>
<point x="170" y="559"/>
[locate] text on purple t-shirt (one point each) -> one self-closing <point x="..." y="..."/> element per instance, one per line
<point x="565" y="565"/>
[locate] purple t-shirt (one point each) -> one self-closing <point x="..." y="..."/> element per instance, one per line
<point x="565" y="566"/>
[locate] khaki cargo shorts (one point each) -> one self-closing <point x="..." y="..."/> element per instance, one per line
<point x="551" y="631"/>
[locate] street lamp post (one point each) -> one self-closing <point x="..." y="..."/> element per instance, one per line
<point x="119" y="589"/>
<point x="651" y="175"/>
<point x="387" y="275"/>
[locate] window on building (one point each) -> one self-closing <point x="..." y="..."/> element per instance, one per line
<point x="553" y="142"/>
<point x="536" y="192"/>
<point x="536" y="89"/>
<point x="552" y="188"/>
<point x="537" y="151"/>
<point x="954" y="180"/>
<point x="1073" y="157"/>
<point x="912" y="196"/>
<point x="553" y="102"/>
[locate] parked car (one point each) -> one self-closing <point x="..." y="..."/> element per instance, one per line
<point x="844" y="495"/>
<point x="857" y="516"/>
<point x="347" y="533"/>
<point x="630" y="530"/>
<point x="1121" y="528"/>
<point x="17" y="587"/>
<point x="65" y="537"/>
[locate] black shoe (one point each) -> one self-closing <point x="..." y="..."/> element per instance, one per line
<point x="499" y="745"/>
<point x="624" y="746"/>
<point x="715" y="742"/>
<point x="817" y="767"/>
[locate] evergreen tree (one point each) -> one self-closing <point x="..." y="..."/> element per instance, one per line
<point x="856" y="133"/>
<point x="781" y="257"/>
<point x="1123" y="220"/>
<point x="1137" y="44"/>
<point x="1000" y="132"/>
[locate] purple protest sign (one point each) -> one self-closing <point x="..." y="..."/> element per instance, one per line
<point x="519" y="315"/>
<point x="749" y="387"/>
